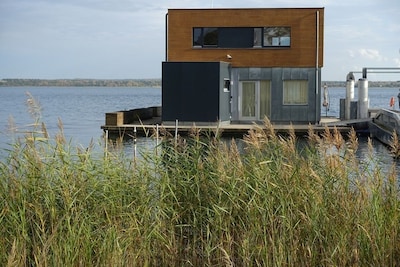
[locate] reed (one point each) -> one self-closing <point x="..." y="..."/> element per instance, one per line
<point x="202" y="201"/>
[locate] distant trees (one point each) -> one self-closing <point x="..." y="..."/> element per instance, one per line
<point x="82" y="82"/>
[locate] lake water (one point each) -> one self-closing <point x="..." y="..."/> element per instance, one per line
<point x="82" y="110"/>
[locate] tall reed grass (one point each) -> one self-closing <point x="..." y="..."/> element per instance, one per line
<point x="201" y="202"/>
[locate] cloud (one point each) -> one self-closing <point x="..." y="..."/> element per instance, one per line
<point x="372" y="54"/>
<point x="396" y="62"/>
<point x="351" y="53"/>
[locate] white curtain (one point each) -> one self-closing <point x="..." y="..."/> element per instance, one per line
<point x="265" y="99"/>
<point x="248" y="99"/>
<point x="295" y="92"/>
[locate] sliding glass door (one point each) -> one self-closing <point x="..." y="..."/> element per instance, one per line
<point x="254" y="100"/>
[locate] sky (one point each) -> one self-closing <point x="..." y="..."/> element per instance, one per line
<point x="125" y="39"/>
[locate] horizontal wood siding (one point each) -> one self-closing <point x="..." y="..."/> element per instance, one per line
<point x="303" y="36"/>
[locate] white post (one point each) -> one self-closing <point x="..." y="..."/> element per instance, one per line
<point x="157" y="139"/>
<point x="176" y="132"/>
<point x="134" y="144"/>
<point x="349" y="97"/>
<point x="363" y="101"/>
<point x="106" y="144"/>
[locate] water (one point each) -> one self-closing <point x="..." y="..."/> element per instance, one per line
<point x="379" y="97"/>
<point x="82" y="111"/>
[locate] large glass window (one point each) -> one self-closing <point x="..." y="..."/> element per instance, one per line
<point x="295" y="92"/>
<point x="210" y="36"/>
<point x="241" y="37"/>
<point x="276" y="36"/>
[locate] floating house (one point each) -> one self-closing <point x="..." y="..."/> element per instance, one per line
<point x="240" y="65"/>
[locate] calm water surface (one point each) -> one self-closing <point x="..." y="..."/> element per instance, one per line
<point x="82" y="111"/>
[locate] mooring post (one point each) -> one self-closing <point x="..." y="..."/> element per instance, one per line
<point x="349" y="98"/>
<point x="134" y="143"/>
<point x="363" y="101"/>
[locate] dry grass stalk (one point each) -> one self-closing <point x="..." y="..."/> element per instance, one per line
<point x="395" y="145"/>
<point x="313" y="139"/>
<point x="352" y="143"/>
<point x="34" y="107"/>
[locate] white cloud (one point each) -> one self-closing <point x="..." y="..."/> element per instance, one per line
<point x="371" y="54"/>
<point x="396" y="62"/>
<point x="351" y="53"/>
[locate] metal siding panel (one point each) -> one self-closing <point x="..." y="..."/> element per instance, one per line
<point x="224" y="97"/>
<point x="266" y="74"/>
<point x="286" y="74"/>
<point x="276" y="94"/>
<point x="295" y="74"/>
<point x="243" y="74"/>
<point x="313" y="106"/>
<point x="286" y="114"/>
<point x="302" y="114"/>
<point x="303" y="74"/>
<point x="235" y="93"/>
<point x="254" y="73"/>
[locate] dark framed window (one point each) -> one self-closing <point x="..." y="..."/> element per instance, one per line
<point x="210" y="36"/>
<point x="241" y="37"/>
<point x="276" y="36"/>
<point x="205" y="37"/>
<point x="197" y="36"/>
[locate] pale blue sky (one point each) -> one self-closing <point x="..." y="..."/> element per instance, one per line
<point x="125" y="39"/>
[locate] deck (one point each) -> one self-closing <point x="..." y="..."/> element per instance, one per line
<point x="149" y="127"/>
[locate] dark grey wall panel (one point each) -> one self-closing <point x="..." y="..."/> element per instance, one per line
<point x="191" y="91"/>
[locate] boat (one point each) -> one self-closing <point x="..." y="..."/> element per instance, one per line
<point x="384" y="124"/>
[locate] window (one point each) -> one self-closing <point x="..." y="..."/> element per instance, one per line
<point x="276" y="36"/>
<point x="210" y="36"/>
<point x="197" y="36"/>
<point x="227" y="85"/>
<point x="257" y="37"/>
<point x="241" y="37"/>
<point x="205" y="37"/>
<point x="295" y="92"/>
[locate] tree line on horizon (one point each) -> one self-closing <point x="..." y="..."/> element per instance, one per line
<point x="142" y="83"/>
<point x="83" y="82"/>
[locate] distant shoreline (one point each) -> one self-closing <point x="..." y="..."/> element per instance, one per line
<point x="156" y="83"/>
<point x="82" y="82"/>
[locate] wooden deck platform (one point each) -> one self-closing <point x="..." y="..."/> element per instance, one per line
<point x="149" y="127"/>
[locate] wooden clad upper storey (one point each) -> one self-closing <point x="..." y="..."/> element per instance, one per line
<point x="265" y="37"/>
